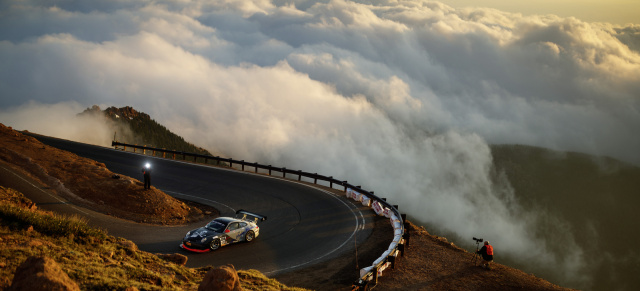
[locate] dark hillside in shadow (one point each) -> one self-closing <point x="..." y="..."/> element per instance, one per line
<point x="598" y="196"/>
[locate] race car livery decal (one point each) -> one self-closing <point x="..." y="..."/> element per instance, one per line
<point x="199" y="233"/>
<point x="224" y="240"/>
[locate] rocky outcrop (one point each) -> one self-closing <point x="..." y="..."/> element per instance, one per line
<point x="41" y="273"/>
<point x="224" y="278"/>
<point x="178" y="259"/>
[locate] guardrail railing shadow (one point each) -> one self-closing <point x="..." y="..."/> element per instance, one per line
<point x="368" y="275"/>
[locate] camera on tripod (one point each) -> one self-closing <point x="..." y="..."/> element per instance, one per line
<point x="478" y="240"/>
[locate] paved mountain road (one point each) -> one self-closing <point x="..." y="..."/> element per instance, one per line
<point x="305" y="225"/>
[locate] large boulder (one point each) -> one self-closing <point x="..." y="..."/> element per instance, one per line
<point x="41" y="273"/>
<point x="224" y="278"/>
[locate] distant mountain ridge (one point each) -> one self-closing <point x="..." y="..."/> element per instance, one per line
<point x="135" y="127"/>
<point x="597" y="197"/>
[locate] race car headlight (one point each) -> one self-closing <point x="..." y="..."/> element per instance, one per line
<point x="203" y="240"/>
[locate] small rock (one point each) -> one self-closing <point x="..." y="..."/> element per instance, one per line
<point x="129" y="245"/>
<point x="176" y="258"/>
<point x="41" y="273"/>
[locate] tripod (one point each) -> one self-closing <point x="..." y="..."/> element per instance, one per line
<point x="475" y="254"/>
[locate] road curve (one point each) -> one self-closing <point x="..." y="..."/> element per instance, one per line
<point x="305" y="225"/>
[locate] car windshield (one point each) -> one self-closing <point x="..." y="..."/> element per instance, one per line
<point x="216" y="226"/>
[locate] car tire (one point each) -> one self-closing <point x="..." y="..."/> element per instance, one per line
<point x="215" y="244"/>
<point x="250" y="236"/>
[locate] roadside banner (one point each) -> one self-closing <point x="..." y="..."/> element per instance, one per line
<point x="383" y="267"/>
<point x="377" y="208"/>
<point x="348" y="192"/>
<point x="366" y="201"/>
<point x="387" y="212"/>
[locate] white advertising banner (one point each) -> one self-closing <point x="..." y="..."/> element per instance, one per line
<point x="377" y="207"/>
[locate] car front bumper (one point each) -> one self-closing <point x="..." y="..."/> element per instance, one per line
<point x="189" y="246"/>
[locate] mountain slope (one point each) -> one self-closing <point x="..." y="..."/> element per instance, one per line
<point x="597" y="196"/>
<point x="134" y="127"/>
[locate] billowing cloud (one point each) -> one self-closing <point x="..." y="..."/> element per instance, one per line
<point x="402" y="97"/>
<point x="59" y="120"/>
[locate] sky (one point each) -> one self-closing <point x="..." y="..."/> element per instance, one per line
<point x="401" y="97"/>
<point x="620" y="12"/>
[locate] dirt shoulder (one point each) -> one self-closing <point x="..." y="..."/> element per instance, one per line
<point x="90" y="184"/>
<point x="433" y="263"/>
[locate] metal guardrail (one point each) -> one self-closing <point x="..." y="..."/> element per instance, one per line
<point x="369" y="274"/>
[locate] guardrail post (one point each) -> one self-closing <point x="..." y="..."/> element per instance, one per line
<point x="256" y="165"/>
<point x="242" y="165"/>
<point x="406" y="236"/>
<point x="331" y="182"/>
<point x="315" y="178"/>
<point x="345" y="185"/>
<point x="269" y="170"/>
<point x="375" y="275"/>
<point x="284" y="172"/>
<point x="299" y="175"/>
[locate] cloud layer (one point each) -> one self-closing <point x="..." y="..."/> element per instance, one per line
<point x="401" y="96"/>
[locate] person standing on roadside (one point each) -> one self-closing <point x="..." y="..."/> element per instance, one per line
<point x="146" y="172"/>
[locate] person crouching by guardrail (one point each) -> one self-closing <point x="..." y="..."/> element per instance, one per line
<point x="487" y="255"/>
<point x="146" y="172"/>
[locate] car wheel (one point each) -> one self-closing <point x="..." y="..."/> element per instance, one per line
<point x="249" y="236"/>
<point x="215" y="244"/>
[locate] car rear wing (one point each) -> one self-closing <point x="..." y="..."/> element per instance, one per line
<point x="254" y="216"/>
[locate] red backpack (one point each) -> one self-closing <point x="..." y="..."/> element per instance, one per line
<point x="489" y="250"/>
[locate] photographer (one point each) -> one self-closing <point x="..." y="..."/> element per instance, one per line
<point x="487" y="255"/>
